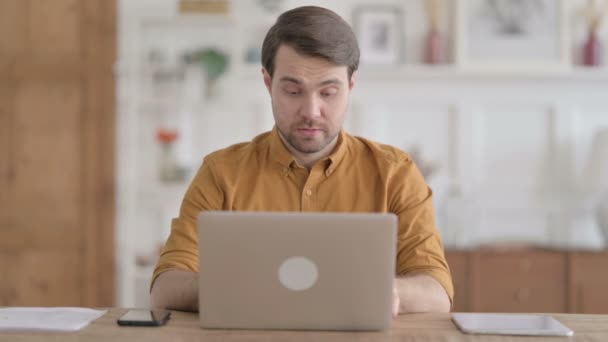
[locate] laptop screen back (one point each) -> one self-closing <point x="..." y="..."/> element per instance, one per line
<point x="320" y="271"/>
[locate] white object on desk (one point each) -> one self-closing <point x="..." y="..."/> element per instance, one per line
<point x="510" y="324"/>
<point x="47" y="319"/>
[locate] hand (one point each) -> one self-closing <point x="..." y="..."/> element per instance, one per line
<point x="396" y="300"/>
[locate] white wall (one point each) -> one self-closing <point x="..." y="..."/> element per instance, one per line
<point x="512" y="148"/>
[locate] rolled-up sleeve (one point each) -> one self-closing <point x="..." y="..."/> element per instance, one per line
<point x="419" y="246"/>
<point x="181" y="249"/>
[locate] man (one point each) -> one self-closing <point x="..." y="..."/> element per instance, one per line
<point x="308" y="163"/>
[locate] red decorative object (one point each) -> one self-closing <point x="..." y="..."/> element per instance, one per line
<point x="592" y="51"/>
<point x="166" y="136"/>
<point x="433" y="49"/>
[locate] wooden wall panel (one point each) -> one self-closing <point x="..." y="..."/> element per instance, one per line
<point x="57" y="239"/>
<point x="6" y="170"/>
<point x="55" y="29"/>
<point x="99" y="156"/>
<point x="41" y="277"/>
<point x="13" y="28"/>
<point x="47" y="165"/>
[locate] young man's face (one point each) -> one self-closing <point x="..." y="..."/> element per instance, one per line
<point x="309" y="99"/>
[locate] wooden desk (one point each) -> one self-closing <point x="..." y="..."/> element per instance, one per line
<point x="422" y="327"/>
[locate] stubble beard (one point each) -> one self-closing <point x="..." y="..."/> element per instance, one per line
<point x="304" y="144"/>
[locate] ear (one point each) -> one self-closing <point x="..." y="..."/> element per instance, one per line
<point x="267" y="80"/>
<point x="351" y="82"/>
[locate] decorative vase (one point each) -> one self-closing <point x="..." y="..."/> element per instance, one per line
<point x="433" y="48"/>
<point x="592" y="51"/>
<point x="170" y="170"/>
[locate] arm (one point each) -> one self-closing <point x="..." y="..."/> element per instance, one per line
<point x="419" y="292"/>
<point x="175" y="290"/>
<point x="423" y="281"/>
<point x="175" y="279"/>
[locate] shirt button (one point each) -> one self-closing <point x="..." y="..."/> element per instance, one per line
<point x="308" y="192"/>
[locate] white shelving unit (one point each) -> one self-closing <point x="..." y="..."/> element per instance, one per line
<point x="448" y="101"/>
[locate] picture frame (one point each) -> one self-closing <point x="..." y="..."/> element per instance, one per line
<point x="379" y="30"/>
<point x="511" y="35"/>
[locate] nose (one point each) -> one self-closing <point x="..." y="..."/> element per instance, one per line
<point x="311" y="108"/>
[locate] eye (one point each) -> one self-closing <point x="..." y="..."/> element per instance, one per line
<point x="291" y="91"/>
<point x="329" y="92"/>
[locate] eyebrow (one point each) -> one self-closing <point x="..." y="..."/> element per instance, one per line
<point x="333" y="81"/>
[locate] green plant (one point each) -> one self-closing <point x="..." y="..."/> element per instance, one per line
<point x="214" y="61"/>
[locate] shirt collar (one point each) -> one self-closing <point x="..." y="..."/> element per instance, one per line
<point x="278" y="151"/>
<point x="281" y="154"/>
<point x="338" y="153"/>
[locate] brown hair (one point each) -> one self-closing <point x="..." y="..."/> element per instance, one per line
<point x="315" y="32"/>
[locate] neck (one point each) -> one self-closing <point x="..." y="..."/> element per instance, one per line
<point x="309" y="159"/>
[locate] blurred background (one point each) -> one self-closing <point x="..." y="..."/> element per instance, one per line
<point x="107" y="108"/>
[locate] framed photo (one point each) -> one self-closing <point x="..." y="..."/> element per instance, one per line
<point x="379" y="30"/>
<point x="511" y="35"/>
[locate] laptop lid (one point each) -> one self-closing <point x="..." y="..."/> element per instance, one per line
<point x="301" y="271"/>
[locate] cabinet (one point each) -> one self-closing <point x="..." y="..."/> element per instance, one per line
<point x="459" y="267"/>
<point x="529" y="280"/>
<point x="588" y="282"/>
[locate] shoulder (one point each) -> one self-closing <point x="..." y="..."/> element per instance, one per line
<point x="382" y="153"/>
<point x="238" y="153"/>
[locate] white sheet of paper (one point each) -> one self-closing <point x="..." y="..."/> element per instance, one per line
<point x="48" y="319"/>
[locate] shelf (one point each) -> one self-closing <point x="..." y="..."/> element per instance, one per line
<point x="453" y="72"/>
<point x="188" y="21"/>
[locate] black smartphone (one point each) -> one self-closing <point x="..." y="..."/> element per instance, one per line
<point x="144" y="318"/>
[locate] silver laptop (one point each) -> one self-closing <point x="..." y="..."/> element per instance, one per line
<point x="297" y="271"/>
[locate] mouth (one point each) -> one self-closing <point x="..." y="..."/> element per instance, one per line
<point x="310" y="131"/>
